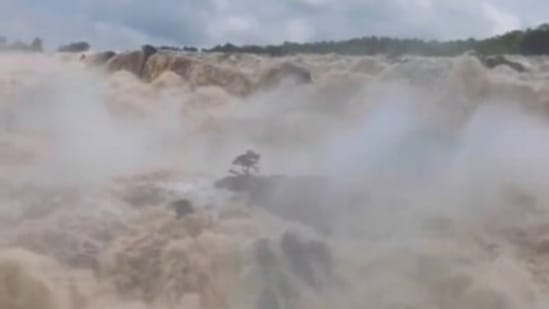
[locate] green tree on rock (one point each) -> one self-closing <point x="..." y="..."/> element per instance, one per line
<point x="247" y="162"/>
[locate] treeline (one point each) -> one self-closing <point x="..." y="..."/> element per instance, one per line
<point x="37" y="45"/>
<point x="527" y="42"/>
<point x="75" y="47"/>
<point x="179" y="49"/>
<point x="34" y="46"/>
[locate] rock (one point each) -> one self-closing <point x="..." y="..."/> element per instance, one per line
<point x="310" y="260"/>
<point x="148" y="50"/>
<point x="242" y="183"/>
<point x="182" y="208"/>
<point x="286" y="71"/>
<point x="494" y="61"/>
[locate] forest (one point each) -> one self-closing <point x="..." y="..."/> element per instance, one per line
<point x="526" y="42"/>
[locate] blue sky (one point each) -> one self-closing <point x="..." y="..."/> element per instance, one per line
<point x="128" y="23"/>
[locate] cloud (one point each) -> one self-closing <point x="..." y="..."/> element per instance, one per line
<point x="502" y="21"/>
<point x="126" y="23"/>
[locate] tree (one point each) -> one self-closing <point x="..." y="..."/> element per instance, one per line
<point x="190" y="49"/>
<point x="247" y="163"/>
<point x="36" y="45"/>
<point x="529" y="42"/>
<point x="75" y="47"/>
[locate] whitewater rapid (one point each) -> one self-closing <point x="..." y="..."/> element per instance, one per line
<point x="436" y="169"/>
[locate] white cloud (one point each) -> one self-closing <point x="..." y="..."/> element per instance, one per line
<point x="314" y="3"/>
<point x="502" y="21"/>
<point x="298" y="30"/>
<point x="108" y="23"/>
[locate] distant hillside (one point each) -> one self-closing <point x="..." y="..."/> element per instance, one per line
<point x="527" y="42"/>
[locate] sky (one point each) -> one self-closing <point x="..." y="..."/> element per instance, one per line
<point x="130" y="23"/>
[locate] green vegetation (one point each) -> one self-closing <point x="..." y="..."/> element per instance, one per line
<point x="528" y="42"/>
<point x="75" y="47"/>
<point x="247" y="163"/>
<point x="34" y="46"/>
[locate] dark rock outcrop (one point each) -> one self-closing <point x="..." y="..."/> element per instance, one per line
<point x="494" y="61"/>
<point x="182" y="208"/>
<point x="278" y="290"/>
<point x="148" y="50"/>
<point x="310" y="261"/>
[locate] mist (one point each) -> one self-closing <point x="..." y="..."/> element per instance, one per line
<point x="414" y="184"/>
